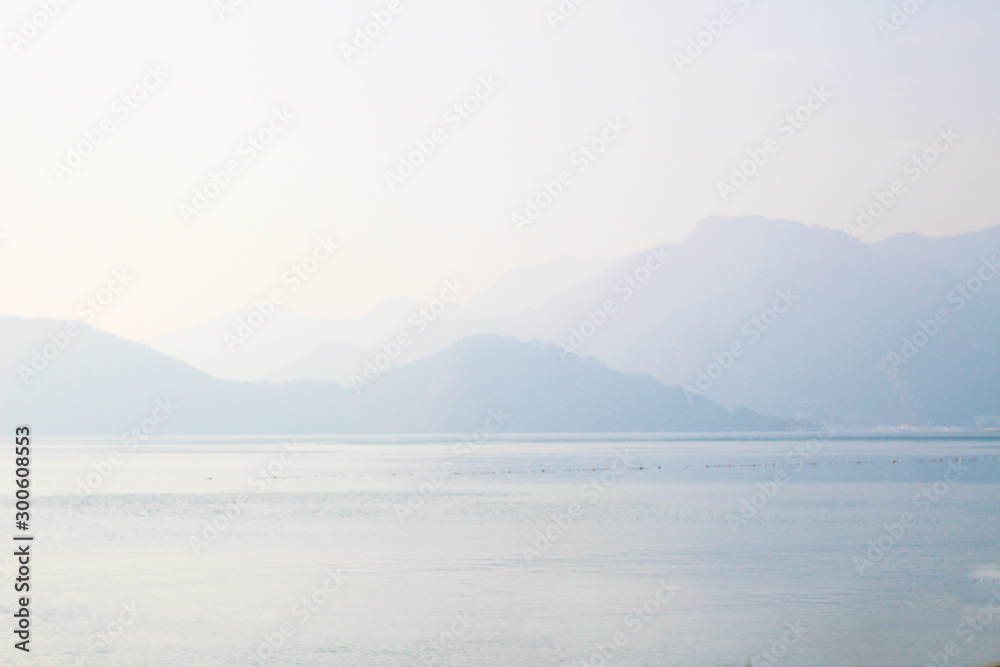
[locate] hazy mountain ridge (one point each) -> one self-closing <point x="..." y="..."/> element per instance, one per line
<point x="829" y="354"/>
<point x="852" y="306"/>
<point x="98" y="384"/>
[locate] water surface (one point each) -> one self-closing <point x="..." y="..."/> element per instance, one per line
<point x="647" y="558"/>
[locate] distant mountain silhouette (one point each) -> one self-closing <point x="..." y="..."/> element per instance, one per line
<point x="96" y="383"/>
<point x="296" y="346"/>
<point x="857" y="338"/>
<point x="831" y="354"/>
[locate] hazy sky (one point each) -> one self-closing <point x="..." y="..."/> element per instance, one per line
<point x="679" y="131"/>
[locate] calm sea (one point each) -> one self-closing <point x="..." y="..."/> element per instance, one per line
<point x="557" y="551"/>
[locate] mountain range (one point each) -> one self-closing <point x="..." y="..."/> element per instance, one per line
<point x="66" y="378"/>
<point x="904" y="331"/>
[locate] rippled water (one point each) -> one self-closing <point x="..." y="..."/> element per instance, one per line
<point x="640" y="565"/>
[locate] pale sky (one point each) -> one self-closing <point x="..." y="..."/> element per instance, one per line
<point x="680" y="133"/>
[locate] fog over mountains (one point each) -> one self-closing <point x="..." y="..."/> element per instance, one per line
<point x="65" y="378"/>
<point x="771" y="315"/>
<point x="292" y="346"/>
<point x="797" y="323"/>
